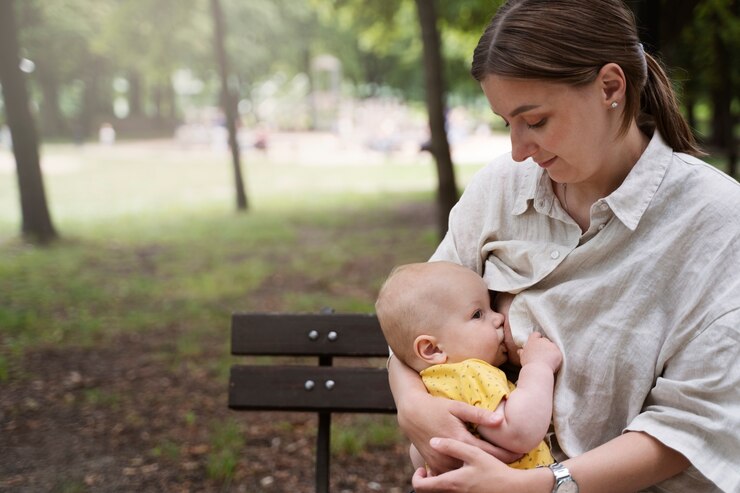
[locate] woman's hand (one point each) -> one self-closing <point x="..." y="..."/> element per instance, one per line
<point x="435" y="416"/>
<point x="422" y="417"/>
<point x="480" y="473"/>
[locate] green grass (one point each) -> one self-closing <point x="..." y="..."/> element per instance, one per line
<point x="227" y="442"/>
<point x="362" y="432"/>
<point x="167" y="449"/>
<point x="98" y="397"/>
<point x="150" y="239"/>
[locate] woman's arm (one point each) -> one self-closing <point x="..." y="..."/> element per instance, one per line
<point x="631" y="462"/>
<point x="422" y="416"/>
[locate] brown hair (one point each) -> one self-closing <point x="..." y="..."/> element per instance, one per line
<point x="568" y="41"/>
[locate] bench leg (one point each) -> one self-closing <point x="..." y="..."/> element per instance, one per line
<point x="323" y="452"/>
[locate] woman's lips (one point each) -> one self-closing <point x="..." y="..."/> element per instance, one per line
<point x="548" y="163"/>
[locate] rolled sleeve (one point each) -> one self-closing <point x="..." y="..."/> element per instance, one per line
<point x="694" y="407"/>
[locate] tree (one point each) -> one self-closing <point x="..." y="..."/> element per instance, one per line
<point x="147" y="42"/>
<point x="58" y="36"/>
<point x="36" y="220"/>
<point x="702" y="37"/>
<point x="435" y="97"/>
<point x="228" y="103"/>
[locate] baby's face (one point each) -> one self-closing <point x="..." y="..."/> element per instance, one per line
<point x="468" y="326"/>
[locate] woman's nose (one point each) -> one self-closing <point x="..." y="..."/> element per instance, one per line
<point x="521" y="147"/>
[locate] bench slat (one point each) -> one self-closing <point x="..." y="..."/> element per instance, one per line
<point x="267" y="387"/>
<point x="272" y="334"/>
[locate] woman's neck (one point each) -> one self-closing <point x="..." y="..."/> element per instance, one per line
<point x="577" y="198"/>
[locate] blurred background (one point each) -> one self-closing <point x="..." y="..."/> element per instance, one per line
<point x="166" y="163"/>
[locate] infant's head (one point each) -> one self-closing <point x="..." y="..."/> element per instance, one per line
<point x="439" y="312"/>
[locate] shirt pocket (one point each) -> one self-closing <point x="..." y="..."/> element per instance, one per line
<point x="513" y="266"/>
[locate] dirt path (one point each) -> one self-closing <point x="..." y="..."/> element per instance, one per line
<point x="122" y="418"/>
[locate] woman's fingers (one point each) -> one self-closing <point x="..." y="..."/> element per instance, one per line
<point x="482" y="417"/>
<point x="455" y="448"/>
<point x="476" y="415"/>
<point x="473" y="476"/>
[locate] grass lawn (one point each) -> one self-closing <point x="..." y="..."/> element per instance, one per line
<point x="125" y="321"/>
<point x="150" y="237"/>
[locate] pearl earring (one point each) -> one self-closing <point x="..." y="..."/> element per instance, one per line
<point x="614" y="104"/>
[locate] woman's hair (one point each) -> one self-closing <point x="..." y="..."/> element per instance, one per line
<point x="568" y="41"/>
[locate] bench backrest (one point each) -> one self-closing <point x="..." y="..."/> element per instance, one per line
<point x="309" y="388"/>
<point x="321" y="388"/>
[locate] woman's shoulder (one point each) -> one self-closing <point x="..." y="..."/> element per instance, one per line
<point x="705" y="182"/>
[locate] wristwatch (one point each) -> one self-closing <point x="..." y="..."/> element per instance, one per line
<point x="564" y="482"/>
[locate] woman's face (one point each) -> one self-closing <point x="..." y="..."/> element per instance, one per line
<point x="564" y="129"/>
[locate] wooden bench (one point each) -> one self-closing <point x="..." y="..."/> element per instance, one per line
<point x="321" y="388"/>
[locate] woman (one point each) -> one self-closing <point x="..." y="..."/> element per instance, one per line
<point x="624" y="250"/>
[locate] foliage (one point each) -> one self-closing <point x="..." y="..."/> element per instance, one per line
<point x="713" y="22"/>
<point x="81" y="47"/>
<point x="152" y="38"/>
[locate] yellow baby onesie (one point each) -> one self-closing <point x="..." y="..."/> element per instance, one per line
<point x="483" y="385"/>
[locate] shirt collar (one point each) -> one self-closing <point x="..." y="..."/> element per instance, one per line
<point x="631" y="199"/>
<point x="628" y="202"/>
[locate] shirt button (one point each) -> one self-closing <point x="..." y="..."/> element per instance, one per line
<point x="601" y="226"/>
<point x="554" y="254"/>
<point x="604" y="206"/>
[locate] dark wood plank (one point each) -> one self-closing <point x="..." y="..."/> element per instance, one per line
<point x="269" y="387"/>
<point x="280" y="334"/>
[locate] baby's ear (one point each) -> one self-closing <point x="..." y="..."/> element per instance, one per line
<point x="426" y="348"/>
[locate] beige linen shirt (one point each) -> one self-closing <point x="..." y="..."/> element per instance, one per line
<point x="645" y="305"/>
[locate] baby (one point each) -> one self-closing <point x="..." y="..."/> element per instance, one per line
<point x="437" y="319"/>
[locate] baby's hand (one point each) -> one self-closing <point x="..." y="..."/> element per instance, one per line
<point x="541" y="350"/>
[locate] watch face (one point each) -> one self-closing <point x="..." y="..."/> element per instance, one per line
<point x="567" y="486"/>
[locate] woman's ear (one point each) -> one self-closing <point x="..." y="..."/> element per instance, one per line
<point x="426" y="348"/>
<point x="612" y="83"/>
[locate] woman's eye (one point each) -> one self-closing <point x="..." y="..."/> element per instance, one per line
<point x="478" y="314"/>
<point x="538" y="124"/>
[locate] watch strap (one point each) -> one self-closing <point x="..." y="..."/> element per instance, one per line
<point x="562" y="476"/>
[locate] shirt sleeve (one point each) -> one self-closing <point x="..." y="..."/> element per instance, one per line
<point x="694" y="407"/>
<point x="462" y="242"/>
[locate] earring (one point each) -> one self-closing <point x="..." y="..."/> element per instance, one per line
<point x="614" y="104"/>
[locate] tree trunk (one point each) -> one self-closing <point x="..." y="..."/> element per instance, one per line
<point x="689" y="102"/>
<point x="135" y="107"/>
<point x="51" y="115"/>
<point x="435" y="96"/>
<point x="171" y="98"/>
<point x="36" y="221"/>
<point x="89" y="112"/>
<point x="721" y="94"/>
<point x="157" y="101"/>
<point x="228" y="103"/>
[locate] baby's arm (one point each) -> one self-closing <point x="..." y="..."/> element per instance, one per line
<point x="528" y="410"/>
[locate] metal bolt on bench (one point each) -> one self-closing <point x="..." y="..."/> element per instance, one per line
<point x="323" y="389"/>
